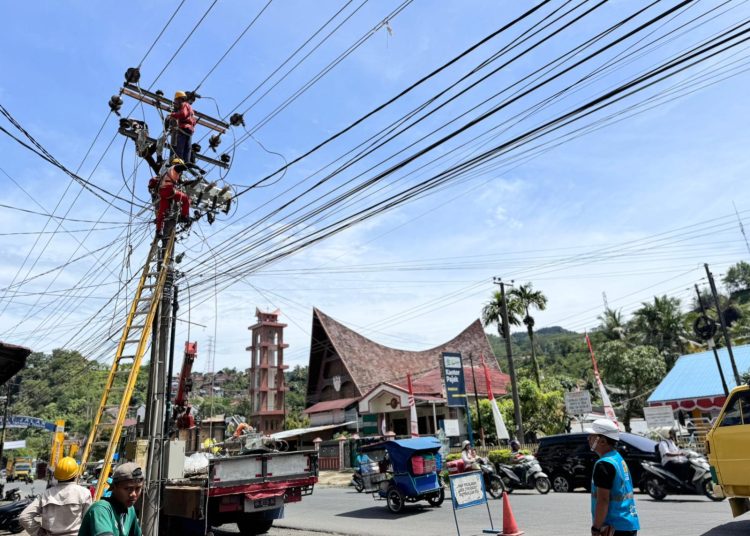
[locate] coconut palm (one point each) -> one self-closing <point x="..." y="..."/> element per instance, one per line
<point x="526" y="298"/>
<point x="612" y="325"/>
<point x="660" y="324"/>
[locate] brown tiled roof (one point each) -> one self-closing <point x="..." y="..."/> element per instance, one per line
<point x="370" y="363"/>
<point x="329" y="405"/>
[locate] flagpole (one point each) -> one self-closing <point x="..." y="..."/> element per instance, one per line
<point x="609" y="411"/>
<point x="476" y="398"/>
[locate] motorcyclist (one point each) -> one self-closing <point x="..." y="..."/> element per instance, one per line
<point x="363" y="463"/>
<point x="673" y="458"/>
<point x="469" y="456"/>
<point x="516" y="456"/>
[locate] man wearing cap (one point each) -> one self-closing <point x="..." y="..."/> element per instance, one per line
<point x="61" y="507"/>
<point x="185" y="117"/>
<point x="612" y="503"/>
<point x="115" y="515"/>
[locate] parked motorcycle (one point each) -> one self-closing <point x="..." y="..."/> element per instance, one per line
<point x="526" y="474"/>
<point x="9" y="514"/>
<point x="12" y="495"/>
<point x="492" y="482"/>
<point x="658" y="481"/>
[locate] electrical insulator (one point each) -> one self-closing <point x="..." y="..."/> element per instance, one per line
<point x="214" y="141"/>
<point x="133" y="75"/>
<point x="237" y="120"/>
<point x="115" y="103"/>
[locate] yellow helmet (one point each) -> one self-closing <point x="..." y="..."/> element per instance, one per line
<point x="66" y="469"/>
<point x="180" y="95"/>
<point x="178" y="162"/>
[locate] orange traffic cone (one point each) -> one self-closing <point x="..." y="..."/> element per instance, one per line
<point x="510" y="527"/>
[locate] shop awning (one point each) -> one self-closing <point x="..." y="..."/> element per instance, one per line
<point x="286" y="434"/>
<point x="12" y="359"/>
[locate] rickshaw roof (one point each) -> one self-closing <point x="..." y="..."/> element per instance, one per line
<point x="411" y="445"/>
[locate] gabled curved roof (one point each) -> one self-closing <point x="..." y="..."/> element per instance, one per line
<point x="370" y="363"/>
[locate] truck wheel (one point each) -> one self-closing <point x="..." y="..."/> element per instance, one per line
<point x="252" y="524"/>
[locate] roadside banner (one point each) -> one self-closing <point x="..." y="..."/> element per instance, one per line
<point x="502" y="431"/>
<point x="659" y="417"/>
<point x="413" y="422"/>
<point x="467" y="490"/>
<point x="609" y="411"/>
<point x="453" y="375"/>
<point x="21" y="421"/>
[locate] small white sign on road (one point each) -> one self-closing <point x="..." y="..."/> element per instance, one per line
<point x="467" y="490"/>
<point x="577" y="402"/>
<point x="451" y="427"/>
<point x="659" y="416"/>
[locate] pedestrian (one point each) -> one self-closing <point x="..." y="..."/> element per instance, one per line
<point x="183" y="135"/>
<point x="169" y="189"/>
<point x="59" y="508"/>
<point x="613" y="508"/>
<point x="115" y="515"/>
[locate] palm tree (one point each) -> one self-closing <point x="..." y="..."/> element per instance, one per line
<point x="612" y="325"/>
<point x="526" y="297"/>
<point x="660" y="324"/>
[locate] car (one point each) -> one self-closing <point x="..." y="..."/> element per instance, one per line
<point x="569" y="461"/>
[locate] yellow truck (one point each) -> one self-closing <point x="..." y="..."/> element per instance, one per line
<point x="19" y="469"/>
<point x="728" y="449"/>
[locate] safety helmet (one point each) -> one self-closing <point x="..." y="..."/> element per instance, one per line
<point x="465" y="444"/>
<point x="515" y="444"/>
<point x="180" y="95"/>
<point x="66" y="469"/>
<point x="179" y="164"/>
<point x="606" y="428"/>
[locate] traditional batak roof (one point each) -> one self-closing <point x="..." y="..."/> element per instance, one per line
<point x="370" y="364"/>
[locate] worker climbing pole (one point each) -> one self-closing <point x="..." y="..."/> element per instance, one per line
<point x="179" y="185"/>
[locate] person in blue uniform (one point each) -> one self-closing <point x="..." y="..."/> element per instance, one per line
<point x="613" y="509"/>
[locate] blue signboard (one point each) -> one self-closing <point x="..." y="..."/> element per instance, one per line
<point x="453" y="374"/>
<point x="20" y="421"/>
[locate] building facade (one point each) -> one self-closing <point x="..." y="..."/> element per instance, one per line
<point x="266" y="373"/>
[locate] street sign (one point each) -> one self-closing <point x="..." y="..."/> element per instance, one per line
<point x="451" y="427"/>
<point x="453" y="374"/>
<point x="467" y="489"/>
<point x="659" y="416"/>
<point x="577" y="402"/>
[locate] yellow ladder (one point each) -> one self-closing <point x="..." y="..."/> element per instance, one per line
<point x="134" y="340"/>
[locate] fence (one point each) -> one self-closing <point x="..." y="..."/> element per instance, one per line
<point x="484" y="451"/>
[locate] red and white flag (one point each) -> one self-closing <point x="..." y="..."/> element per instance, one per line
<point x="609" y="411"/>
<point x="414" y="424"/>
<point x="502" y="431"/>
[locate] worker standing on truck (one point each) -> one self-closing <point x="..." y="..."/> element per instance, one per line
<point x="612" y="503"/>
<point x="61" y="507"/>
<point x="115" y="515"/>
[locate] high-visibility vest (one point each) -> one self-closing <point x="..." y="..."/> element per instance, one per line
<point x="622" y="514"/>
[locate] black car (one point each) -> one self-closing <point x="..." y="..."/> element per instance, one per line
<point x="569" y="462"/>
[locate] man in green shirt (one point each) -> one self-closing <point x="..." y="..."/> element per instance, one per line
<point x="115" y="515"/>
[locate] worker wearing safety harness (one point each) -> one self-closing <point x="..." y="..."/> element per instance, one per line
<point x="168" y="187"/>
<point x="60" y="508"/>
<point x="612" y="503"/>
<point x="183" y="135"/>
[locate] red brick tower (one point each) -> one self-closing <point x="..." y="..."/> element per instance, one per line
<point x="267" y="368"/>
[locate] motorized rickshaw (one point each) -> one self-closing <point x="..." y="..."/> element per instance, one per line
<point x="407" y="470"/>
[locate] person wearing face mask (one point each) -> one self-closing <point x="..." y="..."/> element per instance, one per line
<point x="613" y="509"/>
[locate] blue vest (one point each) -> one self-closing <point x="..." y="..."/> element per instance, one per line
<point x="621" y="514"/>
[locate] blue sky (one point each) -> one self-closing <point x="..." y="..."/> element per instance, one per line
<point x="412" y="277"/>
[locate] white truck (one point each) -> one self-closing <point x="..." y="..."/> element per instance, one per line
<point x="250" y="490"/>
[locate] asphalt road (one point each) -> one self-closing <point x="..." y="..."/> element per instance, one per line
<point x="343" y="511"/>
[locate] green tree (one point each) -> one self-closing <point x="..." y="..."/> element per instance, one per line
<point x="737" y="280"/>
<point x="636" y="371"/>
<point x="612" y="325"/>
<point x="543" y="409"/>
<point x="660" y="324"/>
<point x="527" y="298"/>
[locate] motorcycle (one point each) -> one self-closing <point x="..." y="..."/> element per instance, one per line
<point x="357" y="480"/>
<point x="658" y="481"/>
<point x="492" y="482"/>
<point x="9" y="514"/>
<point x="526" y="474"/>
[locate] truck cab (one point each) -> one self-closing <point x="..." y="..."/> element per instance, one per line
<point x="728" y="453"/>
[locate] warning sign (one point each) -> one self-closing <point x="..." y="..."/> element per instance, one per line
<point x="467" y="490"/>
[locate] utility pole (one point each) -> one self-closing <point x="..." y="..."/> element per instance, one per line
<point x="8" y="392"/>
<point x="723" y="325"/>
<point x="157" y="408"/>
<point x="505" y="329"/>
<point x="711" y="343"/>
